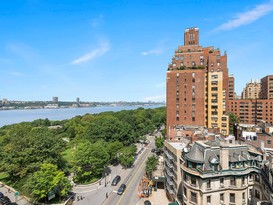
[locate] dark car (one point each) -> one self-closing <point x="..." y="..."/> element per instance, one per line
<point x="5" y="201"/>
<point x="147" y="202"/>
<point x="121" y="189"/>
<point x="1" y="195"/>
<point x="116" y="180"/>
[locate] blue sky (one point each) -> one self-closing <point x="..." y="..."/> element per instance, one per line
<point x="106" y="50"/>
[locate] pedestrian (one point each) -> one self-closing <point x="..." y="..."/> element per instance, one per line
<point x="78" y="198"/>
<point x="106" y="195"/>
<point x="81" y="198"/>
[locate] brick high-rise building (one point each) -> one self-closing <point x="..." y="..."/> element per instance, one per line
<point x="231" y="85"/>
<point x="197" y="85"/>
<point x="267" y="87"/>
<point x="252" y="90"/>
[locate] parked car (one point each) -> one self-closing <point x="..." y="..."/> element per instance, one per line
<point x="5" y="201"/>
<point x="147" y="202"/>
<point x="116" y="180"/>
<point x="121" y="189"/>
<point x="1" y="195"/>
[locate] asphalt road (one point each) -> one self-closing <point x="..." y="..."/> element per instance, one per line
<point x="130" y="196"/>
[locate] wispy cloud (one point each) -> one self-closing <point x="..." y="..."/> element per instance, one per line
<point x="22" y="50"/>
<point x="161" y="85"/>
<point x="152" y="52"/>
<point x="16" y="73"/>
<point x="247" y="17"/>
<point x="103" y="48"/>
<point x="95" y="22"/>
<point x="155" y="98"/>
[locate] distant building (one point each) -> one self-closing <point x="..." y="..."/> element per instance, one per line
<point x="4" y="101"/>
<point x="197" y="85"/>
<point x="252" y="111"/>
<point x="55" y="99"/>
<point x="267" y="87"/>
<point x="252" y="90"/>
<point x="78" y="100"/>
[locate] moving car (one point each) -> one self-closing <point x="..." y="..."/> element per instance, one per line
<point x="121" y="189"/>
<point x="5" y="201"/>
<point x="116" y="180"/>
<point x="147" y="202"/>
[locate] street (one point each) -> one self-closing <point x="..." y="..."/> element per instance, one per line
<point x="104" y="193"/>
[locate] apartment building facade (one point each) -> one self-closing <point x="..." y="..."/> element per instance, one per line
<point x="252" y="111"/>
<point x="197" y="85"/>
<point x="267" y="87"/>
<point x="221" y="173"/>
<point x="252" y="90"/>
<point x="172" y="171"/>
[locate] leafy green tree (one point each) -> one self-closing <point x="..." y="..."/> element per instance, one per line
<point x="151" y="164"/>
<point x="24" y="149"/>
<point x="159" y="143"/>
<point x="126" y="156"/>
<point x="113" y="150"/>
<point x="232" y="120"/>
<point x="90" y="160"/>
<point x="47" y="179"/>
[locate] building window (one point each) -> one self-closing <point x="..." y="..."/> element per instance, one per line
<point x="243" y="181"/>
<point x="208" y="184"/>
<point x="214" y="76"/>
<point x="257" y="194"/>
<point x="232" y="181"/>
<point x="208" y="199"/>
<point x="193" y="75"/>
<point x="221" y="182"/>
<point x="243" y="197"/>
<point x="268" y="141"/>
<point x="232" y="198"/>
<point x="193" y="197"/>
<point x="222" y="199"/>
<point x="181" y="57"/>
<point x="193" y="119"/>
<point x="193" y="181"/>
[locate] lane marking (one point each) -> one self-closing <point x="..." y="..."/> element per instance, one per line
<point x="133" y="177"/>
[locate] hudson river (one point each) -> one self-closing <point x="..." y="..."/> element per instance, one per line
<point x="8" y="117"/>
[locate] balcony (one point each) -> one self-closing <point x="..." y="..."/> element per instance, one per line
<point x="169" y="164"/>
<point x="168" y="155"/>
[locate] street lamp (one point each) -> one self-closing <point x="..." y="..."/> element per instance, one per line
<point x="105" y="174"/>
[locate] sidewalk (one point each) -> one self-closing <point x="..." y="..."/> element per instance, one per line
<point x="157" y="198"/>
<point x="11" y="194"/>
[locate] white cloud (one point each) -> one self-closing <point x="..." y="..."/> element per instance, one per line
<point x="150" y="52"/>
<point x="103" y="48"/>
<point x="95" y="22"/>
<point x="161" y="85"/>
<point x="17" y="73"/>
<point x="247" y="17"/>
<point x="155" y="98"/>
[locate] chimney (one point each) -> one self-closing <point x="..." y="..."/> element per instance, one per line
<point x="224" y="157"/>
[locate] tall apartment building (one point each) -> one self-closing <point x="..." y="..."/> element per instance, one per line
<point x="231" y="87"/>
<point x="267" y="87"/>
<point x="221" y="173"/>
<point x="252" y="90"/>
<point x="197" y="85"/>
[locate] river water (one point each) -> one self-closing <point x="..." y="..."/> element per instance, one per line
<point x="8" y="117"/>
